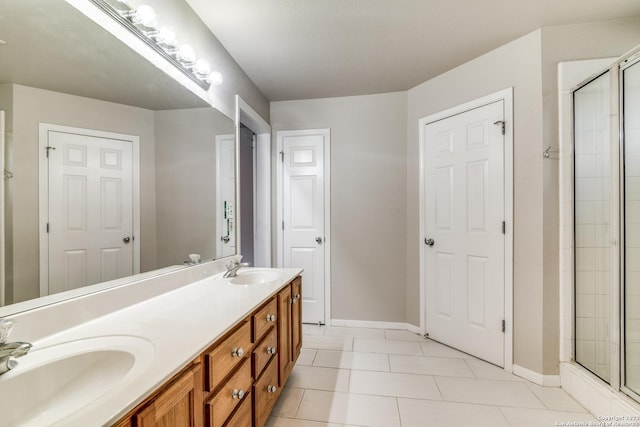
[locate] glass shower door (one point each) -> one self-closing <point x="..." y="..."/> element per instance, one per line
<point x="592" y="226"/>
<point x="631" y="224"/>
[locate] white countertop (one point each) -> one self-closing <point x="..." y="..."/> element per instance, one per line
<point x="180" y="325"/>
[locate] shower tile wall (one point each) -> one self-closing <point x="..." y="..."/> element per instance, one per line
<point x="632" y="225"/>
<point x="592" y="227"/>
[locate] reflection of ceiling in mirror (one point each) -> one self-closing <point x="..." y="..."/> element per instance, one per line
<point x="50" y="45"/>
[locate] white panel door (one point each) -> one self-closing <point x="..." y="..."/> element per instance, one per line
<point x="226" y="194"/>
<point x="90" y="210"/>
<point x="464" y="214"/>
<point x="304" y="215"/>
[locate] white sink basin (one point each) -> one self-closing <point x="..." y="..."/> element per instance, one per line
<point x="52" y="383"/>
<point x="254" y="277"/>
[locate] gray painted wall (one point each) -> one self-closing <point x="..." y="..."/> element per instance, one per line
<point x="368" y="198"/>
<point x="186" y="182"/>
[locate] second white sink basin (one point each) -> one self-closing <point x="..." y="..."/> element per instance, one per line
<point x="52" y="383"/>
<point x="254" y="277"/>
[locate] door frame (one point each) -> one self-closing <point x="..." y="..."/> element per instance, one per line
<point x="327" y="208"/>
<point x="262" y="230"/>
<point x="505" y="95"/>
<point x="43" y="193"/>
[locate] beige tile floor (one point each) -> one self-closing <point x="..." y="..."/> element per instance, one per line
<point x="371" y="377"/>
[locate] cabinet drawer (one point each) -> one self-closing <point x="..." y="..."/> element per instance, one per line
<point x="264" y="351"/>
<point x="227" y="355"/>
<point x="264" y="319"/>
<point x="242" y="417"/>
<point x="265" y="393"/>
<point x="234" y="392"/>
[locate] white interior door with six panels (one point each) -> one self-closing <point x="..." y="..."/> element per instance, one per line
<point x="464" y="214"/>
<point x="304" y="215"/>
<point x="90" y="210"/>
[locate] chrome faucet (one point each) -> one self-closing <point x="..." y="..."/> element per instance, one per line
<point x="9" y="351"/>
<point x="233" y="267"/>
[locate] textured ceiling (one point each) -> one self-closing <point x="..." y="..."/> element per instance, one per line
<point x="298" y="49"/>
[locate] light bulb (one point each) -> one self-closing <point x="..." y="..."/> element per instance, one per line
<point x="144" y="15"/>
<point x="166" y="37"/>
<point x="186" y="55"/>
<point x="202" y="69"/>
<point x="215" y="78"/>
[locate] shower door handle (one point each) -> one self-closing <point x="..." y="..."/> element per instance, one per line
<point x="429" y="242"/>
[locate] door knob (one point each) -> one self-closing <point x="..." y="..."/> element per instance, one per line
<point x="126" y="239"/>
<point x="319" y="240"/>
<point x="429" y="242"/>
<point x="225" y="239"/>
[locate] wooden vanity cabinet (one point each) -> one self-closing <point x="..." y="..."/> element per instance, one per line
<point x="289" y="328"/>
<point x="237" y="380"/>
<point x="296" y="319"/>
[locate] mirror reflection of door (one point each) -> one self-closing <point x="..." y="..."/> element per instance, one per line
<point x="89" y="221"/>
<point x="226" y="195"/>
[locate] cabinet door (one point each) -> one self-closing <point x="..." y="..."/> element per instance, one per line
<point x="296" y="319"/>
<point x="285" y="363"/>
<point x="180" y="405"/>
<point x="265" y="394"/>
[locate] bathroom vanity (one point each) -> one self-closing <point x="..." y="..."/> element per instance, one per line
<point x="237" y="380"/>
<point x="187" y="348"/>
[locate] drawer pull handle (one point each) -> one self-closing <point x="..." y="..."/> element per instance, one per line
<point x="271" y="350"/>
<point x="271" y="389"/>
<point x="237" y="352"/>
<point x="238" y="394"/>
<point x="271" y="317"/>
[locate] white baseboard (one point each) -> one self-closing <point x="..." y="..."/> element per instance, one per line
<point x="374" y="325"/>
<point x="537" y="378"/>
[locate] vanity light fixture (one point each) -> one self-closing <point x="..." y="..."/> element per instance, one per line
<point x="142" y="22"/>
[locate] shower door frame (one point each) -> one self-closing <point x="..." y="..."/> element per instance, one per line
<point x="617" y="206"/>
<point x="631" y="60"/>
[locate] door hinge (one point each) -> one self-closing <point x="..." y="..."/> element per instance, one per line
<point x="282" y="225"/>
<point x="282" y="156"/>
<point x="504" y="227"/>
<point x="504" y="325"/>
<point x="47" y="227"/>
<point x="49" y="148"/>
<point x="502" y="124"/>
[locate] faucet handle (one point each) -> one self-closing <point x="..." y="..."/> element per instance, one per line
<point x="6" y="325"/>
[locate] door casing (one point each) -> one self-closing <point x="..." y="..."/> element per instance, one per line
<point x="507" y="96"/>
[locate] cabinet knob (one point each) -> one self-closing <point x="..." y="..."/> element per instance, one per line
<point x="297" y="296"/>
<point x="237" y="394"/>
<point x="271" y="350"/>
<point x="271" y="317"/>
<point x="237" y="352"/>
<point x="271" y="389"/>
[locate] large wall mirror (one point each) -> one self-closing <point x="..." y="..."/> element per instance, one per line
<point x="111" y="168"/>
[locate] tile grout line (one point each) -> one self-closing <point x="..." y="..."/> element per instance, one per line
<point x="505" y="416"/>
